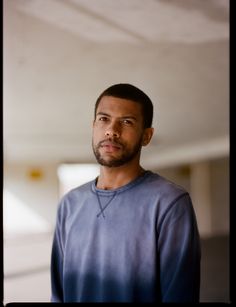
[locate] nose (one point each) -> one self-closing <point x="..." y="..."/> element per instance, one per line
<point x="113" y="130"/>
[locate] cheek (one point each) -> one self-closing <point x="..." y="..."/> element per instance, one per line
<point x="96" y="135"/>
<point x="132" y="138"/>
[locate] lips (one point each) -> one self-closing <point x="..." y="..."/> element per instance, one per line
<point x="110" y="146"/>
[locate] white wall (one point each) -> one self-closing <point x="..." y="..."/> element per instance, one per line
<point x="39" y="193"/>
<point x="27" y="249"/>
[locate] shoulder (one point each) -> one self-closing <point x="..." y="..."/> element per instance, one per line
<point x="163" y="186"/>
<point x="168" y="195"/>
<point x="73" y="198"/>
<point x="80" y="190"/>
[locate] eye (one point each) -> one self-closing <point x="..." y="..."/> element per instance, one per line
<point x="102" y="119"/>
<point x="127" y="122"/>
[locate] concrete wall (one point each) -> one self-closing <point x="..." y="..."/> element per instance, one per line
<point x="208" y="184"/>
<point x="27" y="252"/>
<point x="37" y="186"/>
<point x="220" y="203"/>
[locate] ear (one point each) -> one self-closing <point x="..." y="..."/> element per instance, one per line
<point x="147" y="135"/>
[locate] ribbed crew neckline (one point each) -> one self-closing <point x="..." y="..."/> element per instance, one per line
<point x="125" y="187"/>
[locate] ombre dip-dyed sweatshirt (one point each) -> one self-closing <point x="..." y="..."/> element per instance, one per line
<point x="137" y="243"/>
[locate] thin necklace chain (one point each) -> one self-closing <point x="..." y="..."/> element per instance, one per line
<point x="100" y="205"/>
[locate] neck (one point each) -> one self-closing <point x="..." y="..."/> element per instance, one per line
<point x="116" y="177"/>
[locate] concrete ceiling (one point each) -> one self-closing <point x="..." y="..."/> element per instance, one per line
<point x="59" y="55"/>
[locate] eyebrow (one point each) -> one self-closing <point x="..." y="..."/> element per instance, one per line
<point x="102" y="113"/>
<point x="122" y="117"/>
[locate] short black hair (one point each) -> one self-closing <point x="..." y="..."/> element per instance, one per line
<point x="130" y="92"/>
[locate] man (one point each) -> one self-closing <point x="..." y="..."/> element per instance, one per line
<point x="129" y="235"/>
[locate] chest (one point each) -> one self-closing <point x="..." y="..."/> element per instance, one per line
<point x="119" y="223"/>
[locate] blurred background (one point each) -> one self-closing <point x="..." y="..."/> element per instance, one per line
<point x="58" y="56"/>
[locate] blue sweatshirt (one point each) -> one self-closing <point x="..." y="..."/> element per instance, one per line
<point x="137" y="243"/>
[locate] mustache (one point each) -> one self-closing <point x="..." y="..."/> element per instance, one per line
<point x="110" y="142"/>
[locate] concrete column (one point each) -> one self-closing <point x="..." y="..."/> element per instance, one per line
<point x="201" y="196"/>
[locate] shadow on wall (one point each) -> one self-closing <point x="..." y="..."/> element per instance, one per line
<point x="215" y="270"/>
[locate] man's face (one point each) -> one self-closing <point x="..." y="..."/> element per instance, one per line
<point x="117" y="131"/>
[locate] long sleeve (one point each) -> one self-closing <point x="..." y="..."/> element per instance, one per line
<point x="57" y="264"/>
<point x="179" y="253"/>
<point x="145" y="250"/>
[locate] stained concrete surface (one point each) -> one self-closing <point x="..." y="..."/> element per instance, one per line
<point x="215" y="270"/>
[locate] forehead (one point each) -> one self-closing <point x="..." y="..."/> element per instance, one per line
<point x="119" y="107"/>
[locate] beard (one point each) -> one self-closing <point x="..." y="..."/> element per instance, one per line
<point x="127" y="155"/>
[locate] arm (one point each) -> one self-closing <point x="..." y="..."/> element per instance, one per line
<point x="179" y="252"/>
<point x="57" y="264"/>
